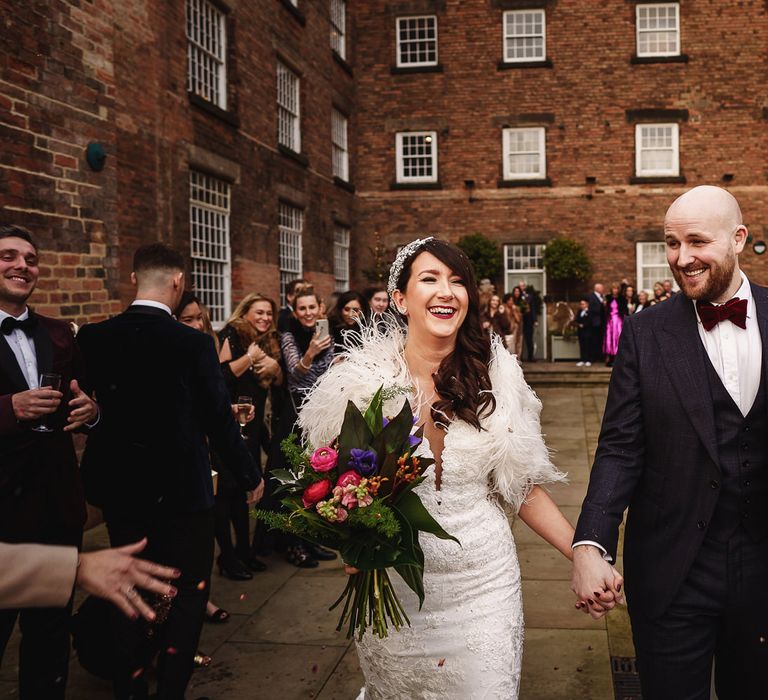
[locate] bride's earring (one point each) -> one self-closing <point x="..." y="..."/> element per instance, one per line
<point x="401" y="311"/>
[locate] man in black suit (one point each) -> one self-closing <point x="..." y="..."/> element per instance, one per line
<point x="286" y="312"/>
<point x="529" y="320"/>
<point x="41" y="498"/>
<point x="684" y="446"/>
<point x="596" y="302"/>
<point x="164" y="405"/>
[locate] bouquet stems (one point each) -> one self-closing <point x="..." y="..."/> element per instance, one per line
<point x="370" y="601"/>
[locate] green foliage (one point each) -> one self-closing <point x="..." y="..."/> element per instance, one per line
<point x="377" y="517"/>
<point x="484" y="254"/>
<point x="566" y="259"/>
<point x="294" y="453"/>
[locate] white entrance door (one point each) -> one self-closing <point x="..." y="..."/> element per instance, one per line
<point x="525" y="262"/>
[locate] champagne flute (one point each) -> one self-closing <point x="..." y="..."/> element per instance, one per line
<point x="48" y="380"/>
<point x="244" y="404"/>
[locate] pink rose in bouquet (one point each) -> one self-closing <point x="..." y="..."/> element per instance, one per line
<point x="323" y="459"/>
<point x="315" y="492"/>
<point x="350" y="477"/>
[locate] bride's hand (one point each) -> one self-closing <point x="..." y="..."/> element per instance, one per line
<point x="350" y="570"/>
<point x="595" y="582"/>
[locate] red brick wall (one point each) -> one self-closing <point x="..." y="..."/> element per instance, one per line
<point x="588" y="90"/>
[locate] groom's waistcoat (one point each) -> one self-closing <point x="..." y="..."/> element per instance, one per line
<point x="743" y="451"/>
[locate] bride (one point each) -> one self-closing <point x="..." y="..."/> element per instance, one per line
<point x="481" y="425"/>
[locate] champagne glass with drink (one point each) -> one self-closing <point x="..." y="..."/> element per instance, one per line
<point x="48" y="380"/>
<point x="244" y="404"/>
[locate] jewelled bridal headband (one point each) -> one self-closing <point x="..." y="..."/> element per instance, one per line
<point x="402" y="257"/>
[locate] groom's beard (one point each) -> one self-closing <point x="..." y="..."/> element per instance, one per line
<point x="719" y="279"/>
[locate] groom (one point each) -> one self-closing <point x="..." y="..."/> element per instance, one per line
<point x="684" y="445"/>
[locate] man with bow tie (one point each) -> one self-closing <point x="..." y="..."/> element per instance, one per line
<point x="684" y="445"/>
<point x="41" y="497"/>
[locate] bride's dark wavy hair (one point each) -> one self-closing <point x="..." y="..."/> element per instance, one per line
<point x="462" y="381"/>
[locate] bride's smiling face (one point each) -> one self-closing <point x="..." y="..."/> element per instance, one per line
<point x="435" y="299"/>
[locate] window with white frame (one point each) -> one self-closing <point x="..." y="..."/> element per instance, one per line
<point x="291" y="226"/>
<point x="339" y="27"/>
<point x="658" y="29"/>
<point x="417" y="41"/>
<point x="524" y="36"/>
<point x="652" y="265"/>
<point x="524" y="153"/>
<point x="416" y="154"/>
<point x="288" y="108"/>
<point x="657" y="150"/>
<point x="207" y="51"/>
<point x="340" y="150"/>
<point x="209" y="209"/>
<point x="341" y="235"/>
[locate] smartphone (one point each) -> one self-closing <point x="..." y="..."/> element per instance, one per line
<point x="322" y="328"/>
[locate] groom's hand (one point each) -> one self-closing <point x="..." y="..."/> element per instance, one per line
<point x="595" y="582"/>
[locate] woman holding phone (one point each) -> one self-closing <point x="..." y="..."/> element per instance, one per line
<point x="307" y="353"/>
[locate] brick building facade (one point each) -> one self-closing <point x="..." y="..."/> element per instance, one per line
<point x="282" y="134"/>
<point x="183" y="99"/>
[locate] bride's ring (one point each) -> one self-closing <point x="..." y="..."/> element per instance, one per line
<point x="130" y="592"/>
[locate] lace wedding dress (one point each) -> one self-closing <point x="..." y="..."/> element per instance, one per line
<point x="466" y="641"/>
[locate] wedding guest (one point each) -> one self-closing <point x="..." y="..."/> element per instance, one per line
<point x="658" y="293"/>
<point x="350" y="308"/>
<point x="286" y="313"/>
<point x="597" y="321"/>
<point x="669" y="291"/>
<point x="616" y="309"/>
<point x="250" y="356"/>
<point x="630" y="298"/>
<point x="41" y="499"/>
<point x="494" y="317"/>
<point x="584" y="326"/>
<point x="643" y="302"/>
<point x="529" y="319"/>
<point x="307" y="356"/>
<point x="378" y="299"/>
<point x="513" y="303"/>
<point x="147" y="462"/>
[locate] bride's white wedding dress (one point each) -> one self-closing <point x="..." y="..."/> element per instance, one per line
<point x="466" y="642"/>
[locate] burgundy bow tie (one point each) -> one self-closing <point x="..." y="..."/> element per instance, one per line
<point x="711" y="315"/>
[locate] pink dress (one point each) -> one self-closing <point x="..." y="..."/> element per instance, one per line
<point x="612" y="329"/>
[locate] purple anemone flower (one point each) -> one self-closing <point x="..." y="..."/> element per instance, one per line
<point x="363" y="461"/>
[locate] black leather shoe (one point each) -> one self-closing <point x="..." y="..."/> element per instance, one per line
<point x="234" y="571"/>
<point x="299" y="555"/>
<point x="254" y="564"/>
<point x="321" y="553"/>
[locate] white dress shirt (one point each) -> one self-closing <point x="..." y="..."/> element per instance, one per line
<point x="150" y="302"/>
<point x="737" y="356"/>
<point x="736" y="353"/>
<point x="23" y="348"/>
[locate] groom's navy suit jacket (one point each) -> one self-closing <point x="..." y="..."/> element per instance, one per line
<point x="658" y="451"/>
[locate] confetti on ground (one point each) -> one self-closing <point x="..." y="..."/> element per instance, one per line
<point x="242" y="596"/>
<point x="171" y="651"/>
<point x="314" y="668"/>
<point x="137" y="673"/>
<point x="201" y="586"/>
<point x="441" y="663"/>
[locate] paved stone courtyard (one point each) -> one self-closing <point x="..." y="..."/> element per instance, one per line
<point x="281" y="641"/>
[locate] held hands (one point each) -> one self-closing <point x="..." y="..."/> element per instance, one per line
<point x="113" y="574"/>
<point x="253" y="497"/>
<point x="83" y="409"/>
<point x="595" y="582"/>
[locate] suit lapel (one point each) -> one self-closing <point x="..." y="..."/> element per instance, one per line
<point x="10" y="367"/>
<point x="760" y="297"/>
<point x="683" y="355"/>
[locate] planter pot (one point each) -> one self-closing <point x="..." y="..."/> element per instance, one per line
<point x="565" y="348"/>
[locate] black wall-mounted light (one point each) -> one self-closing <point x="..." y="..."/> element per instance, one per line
<point x="96" y="156"/>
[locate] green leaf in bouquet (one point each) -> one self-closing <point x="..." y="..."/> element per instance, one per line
<point x="355" y="433"/>
<point x="409" y="505"/>
<point x="396" y="433"/>
<point x="295" y="453"/>
<point x="387" y="471"/>
<point x="413" y="575"/>
<point x="373" y="416"/>
<point x="374" y="553"/>
<point x="283" y="476"/>
<point x="376" y="517"/>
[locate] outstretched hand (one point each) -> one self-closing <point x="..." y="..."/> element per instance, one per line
<point x="595" y="582"/>
<point x="83" y="409"/>
<point x="114" y="574"/>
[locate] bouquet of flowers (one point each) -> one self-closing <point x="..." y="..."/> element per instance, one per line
<point x="356" y="496"/>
